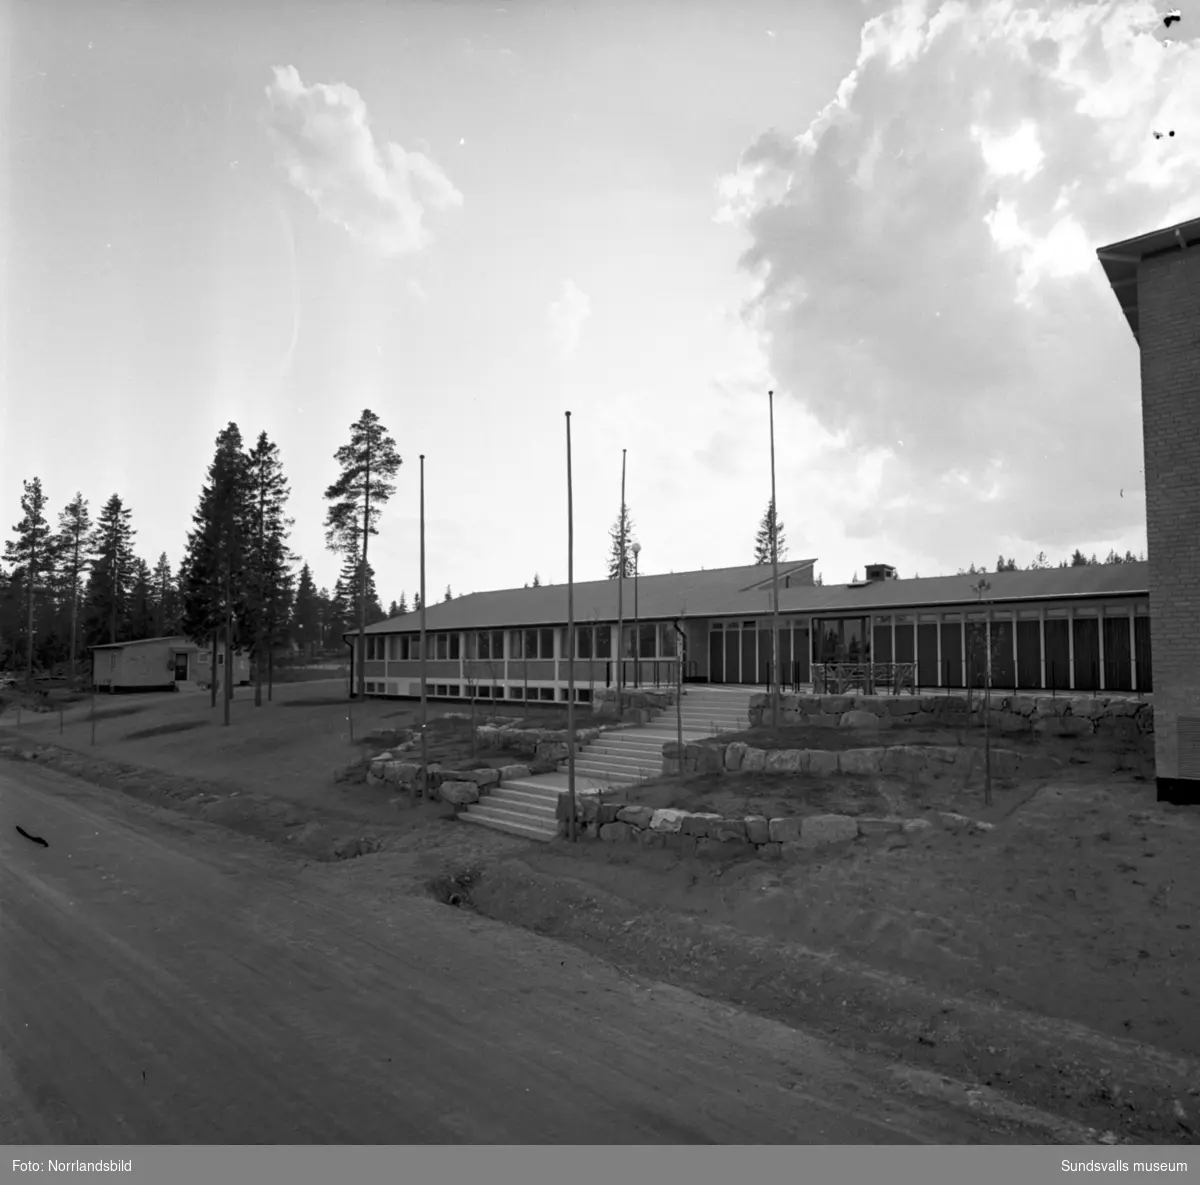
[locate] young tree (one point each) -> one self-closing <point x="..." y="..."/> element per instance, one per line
<point x="1003" y="565"/>
<point x="368" y="464"/>
<point x="621" y="536"/>
<point x="818" y="580"/>
<point x="762" y="541"/>
<point x="449" y="595"/>
<point x="393" y="611"/>
<point x="112" y="570"/>
<point x="1040" y="561"/>
<point x="74" y="529"/>
<point x="403" y="606"/>
<point x="416" y="602"/>
<point x="268" y="554"/>
<point x="32" y="550"/>
<point x="219" y="548"/>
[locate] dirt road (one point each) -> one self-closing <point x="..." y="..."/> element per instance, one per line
<point x="166" y="982"/>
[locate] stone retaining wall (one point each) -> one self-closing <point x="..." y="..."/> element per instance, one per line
<point x="543" y="744"/>
<point x="458" y="786"/>
<point x="1061" y="715"/>
<point x="714" y="835"/>
<point x="637" y="706"/>
<point x="703" y="757"/>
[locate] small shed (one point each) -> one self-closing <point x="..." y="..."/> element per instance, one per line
<point x="159" y="664"/>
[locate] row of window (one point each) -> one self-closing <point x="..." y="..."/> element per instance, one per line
<point x="496" y="692"/>
<point x="649" y="640"/>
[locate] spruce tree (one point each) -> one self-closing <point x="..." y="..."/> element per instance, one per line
<point x="622" y="526"/>
<point x="112" y="564"/>
<point x="74" y="530"/>
<point x="32" y="550"/>
<point x="762" y="541"/>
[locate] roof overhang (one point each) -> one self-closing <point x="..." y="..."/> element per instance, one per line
<point x="1121" y="262"/>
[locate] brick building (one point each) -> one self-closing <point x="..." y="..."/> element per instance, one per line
<point x="1156" y="279"/>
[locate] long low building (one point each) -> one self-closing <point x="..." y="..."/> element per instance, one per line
<point x="1081" y="628"/>
<point x="159" y="664"/>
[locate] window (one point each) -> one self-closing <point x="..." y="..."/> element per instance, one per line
<point x="443" y="648"/>
<point x="648" y="634"/>
<point x="393" y="648"/>
<point x="454" y="690"/>
<point x="584" y="641"/>
<point x="583" y="694"/>
<point x="516" y="693"/>
<point x="440" y="688"/>
<point x="546" y="693"/>
<point x="536" y="643"/>
<point x="668" y="639"/>
<point x="455" y="643"/>
<point x="603" y="641"/>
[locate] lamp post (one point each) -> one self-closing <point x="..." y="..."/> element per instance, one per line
<point x="637" y="622"/>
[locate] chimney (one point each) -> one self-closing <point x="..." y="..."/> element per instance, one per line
<point x="880" y="572"/>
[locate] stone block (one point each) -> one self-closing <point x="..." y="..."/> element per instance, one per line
<point x="859" y="718"/>
<point x="1064" y="726"/>
<point x="608" y="812"/>
<point x="671" y="749"/>
<point x="728" y="830"/>
<point x="770" y="851"/>
<point x="903" y="759"/>
<point x="1093" y="709"/>
<point x="670" y="766"/>
<point x="781" y="761"/>
<point x="510" y="773"/>
<point x="636" y="816"/>
<point x="953" y="821"/>
<point x="912" y="826"/>
<point x="696" y="824"/>
<point x="615" y="832"/>
<point x="758" y="829"/>
<point x="1022" y="705"/>
<point x="754" y="759"/>
<point x="860" y="761"/>
<point x="792" y="716"/>
<point x="667" y="820"/>
<point x="824" y="720"/>
<point x="784" y="830"/>
<point x="1122" y="707"/>
<point x="1049" y="706"/>
<point x="872" y="826"/>
<point x="901" y="707"/>
<point x="836" y="705"/>
<point x="735" y="753"/>
<point x="822" y="761"/>
<point x="818" y="830"/>
<point x="459" y="793"/>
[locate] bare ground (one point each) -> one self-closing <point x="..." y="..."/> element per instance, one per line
<point x="1050" y="959"/>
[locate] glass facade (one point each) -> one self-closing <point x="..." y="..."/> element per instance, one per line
<point x="842" y="639"/>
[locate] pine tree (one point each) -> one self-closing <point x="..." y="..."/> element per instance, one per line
<point x="166" y="598"/>
<point x="268" y="555"/>
<point x="449" y="595"/>
<point x="1040" y="561"/>
<point x="537" y="581"/>
<point x="403" y="606"/>
<point x="74" y="530"/>
<point x="112" y="564"/>
<point x="393" y="611"/>
<point x="218" y="583"/>
<point x="762" y="541"/>
<point x="416" y="602"/>
<point x="32" y="550"/>
<point x="1078" y="560"/>
<point x="621" y="531"/>
<point x="368" y="462"/>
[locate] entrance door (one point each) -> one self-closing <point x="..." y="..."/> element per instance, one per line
<point x="181" y="668"/>
<point x="716" y="657"/>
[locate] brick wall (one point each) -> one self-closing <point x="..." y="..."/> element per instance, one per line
<point x="1169" y="316"/>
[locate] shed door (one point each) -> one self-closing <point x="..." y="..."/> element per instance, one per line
<point x="181" y="667"/>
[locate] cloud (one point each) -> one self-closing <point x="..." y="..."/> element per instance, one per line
<point x="924" y="254"/>
<point x="378" y="192"/>
<point x="565" y="318"/>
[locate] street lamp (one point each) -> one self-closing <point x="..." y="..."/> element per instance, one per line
<point x="637" y="628"/>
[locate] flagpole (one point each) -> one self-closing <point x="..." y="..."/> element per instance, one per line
<point x="570" y="640"/>
<point x="424" y="703"/>
<point x="621" y="591"/>
<point x="774" y="581"/>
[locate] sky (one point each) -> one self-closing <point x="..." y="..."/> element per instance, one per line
<point x="472" y="218"/>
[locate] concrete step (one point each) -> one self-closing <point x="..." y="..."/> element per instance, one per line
<point x="556" y="783"/>
<point x="519" y="802"/>
<point x="635" y="762"/>
<point x="513" y="824"/>
<point x="518" y="792"/>
<point x="607" y="776"/>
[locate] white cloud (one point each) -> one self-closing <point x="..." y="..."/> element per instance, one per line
<point x="924" y="255"/>
<point x="565" y="318"/>
<point x="377" y="192"/>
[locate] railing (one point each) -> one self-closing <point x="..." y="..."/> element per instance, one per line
<point x="662" y="672"/>
<point x="836" y="678"/>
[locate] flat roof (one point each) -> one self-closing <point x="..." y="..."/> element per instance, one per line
<point x="1122" y="260"/>
<point x="178" y="641"/>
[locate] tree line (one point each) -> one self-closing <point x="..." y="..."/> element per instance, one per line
<point x="75" y="583"/>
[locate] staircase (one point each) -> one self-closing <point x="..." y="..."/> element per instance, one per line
<point x="528" y="807"/>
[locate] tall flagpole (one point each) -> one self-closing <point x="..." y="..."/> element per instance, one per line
<point x="424" y="704"/>
<point x="774" y="582"/>
<point x="621" y="591"/>
<point x="570" y="639"/>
